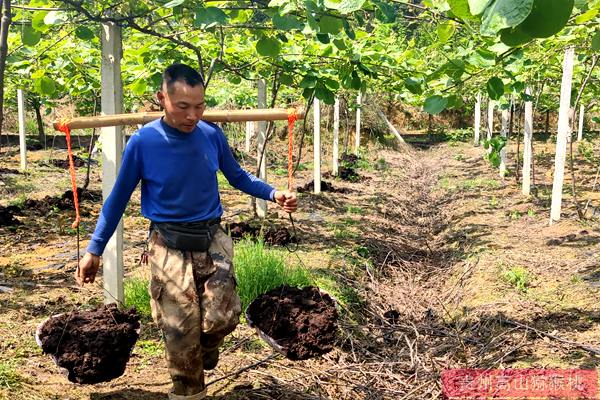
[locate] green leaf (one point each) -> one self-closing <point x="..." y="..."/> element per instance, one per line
<point x="268" y="47"/>
<point x="349" y="6"/>
<point x="333" y="4"/>
<point x="596" y="120"/>
<point x="331" y="25"/>
<point x="29" y="36"/>
<point x="386" y="12"/>
<point x="323" y="38"/>
<point x="340" y="44"/>
<point x="331" y="83"/>
<point x="286" y="79"/>
<point x="514" y="37"/>
<point x="478" y="6"/>
<point x="547" y="17"/>
<point x="139" y="87"/>
<point x="84" y="33"/>
<point x="45" y="86"/>
<point x="482" y="58"/>
<point x="596" y="41"/>
<point x="37" y="21"/>
<point x="586" y="16"/>
<point x="349" y="31"/>
<point x="435" y="104"/>
<point x="351" y="81"/>
<point x="495" y="88"/>
<point x="454" y="69"/>
<point x="518" y="87"/>
<point x="445" y="30"/>
<point x="413" y="85"/>
<point x="235" y="79"/>
<point x="210" y="16"/>
<point x="325" y="95"/>
<point x="504" y="14"/>
<point x="309" y="81"/>
<point x="287" y="22"/>
<point x="460" y="8"/>
<point x="56" y="17"/>
<point x="174" y="3"/>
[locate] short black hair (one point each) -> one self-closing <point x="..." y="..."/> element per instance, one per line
<point x="181" y="72"/>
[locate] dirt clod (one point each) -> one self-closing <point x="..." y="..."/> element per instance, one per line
<point x="302" y="321"/>
<point x="77" y="162"/>
<point x="325" y="187"/>
<point x="94" y="346"/>
<point x="274" y="236"/>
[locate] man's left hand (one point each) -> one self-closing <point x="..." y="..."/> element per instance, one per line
<point x="286" y="200"/>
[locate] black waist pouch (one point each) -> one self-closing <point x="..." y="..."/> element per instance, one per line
<point x="187" y="236"/>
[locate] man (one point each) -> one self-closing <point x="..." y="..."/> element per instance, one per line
<point x="176" y="158"/>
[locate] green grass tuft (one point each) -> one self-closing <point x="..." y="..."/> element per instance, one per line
<point x="517" y="277"/>
<point x="259" y="270"/>
<point x="9" y="378"/>
<point x="136" y="295"/>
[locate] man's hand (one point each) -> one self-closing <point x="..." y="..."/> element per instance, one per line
<point x="286" y="200"/>
<point x="88" y="268"/>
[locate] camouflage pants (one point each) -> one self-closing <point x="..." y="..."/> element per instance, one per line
<point x="195" y="304"/>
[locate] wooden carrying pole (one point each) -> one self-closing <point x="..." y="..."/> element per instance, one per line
<point x="269" y="114"/>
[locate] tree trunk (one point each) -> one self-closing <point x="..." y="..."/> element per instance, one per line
<point x="547" y="128"/>
<point x="35" y="102"/>
<point x="4" y="24"/>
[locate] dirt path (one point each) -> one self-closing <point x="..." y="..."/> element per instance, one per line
<point x="438" y="257"/>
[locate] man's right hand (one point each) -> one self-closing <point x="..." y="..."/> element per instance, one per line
<point x="88" y="268"/>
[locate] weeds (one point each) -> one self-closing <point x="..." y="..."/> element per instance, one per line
<point x="136" y="295"/>
<point x="9" y="377"/>
<point x="259" y="270"/>
<point x="517" y="277"/>
<point x="355" y="210"/>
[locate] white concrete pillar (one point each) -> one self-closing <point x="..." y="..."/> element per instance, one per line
<point x="317" y="146"/>
<point x="22" y="138"/>
<point x="564" y="131"/>
<point x="527" y="144"/>
<point x="261" y="205"/>
<point x="336" y="136"/>
<point x="249" y="134"/>
<point x="490" y="122"/>
<point x="504" y="134"/>
<point x="357" y="135"/>
<point x="112" y="149"/>
<point x="477" y="118"/>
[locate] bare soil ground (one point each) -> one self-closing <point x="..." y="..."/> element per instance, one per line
<point x="444" y="263"/>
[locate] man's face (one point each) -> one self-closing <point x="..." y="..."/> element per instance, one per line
<point x="183" y="104"/>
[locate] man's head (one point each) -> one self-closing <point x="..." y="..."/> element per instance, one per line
<point x="182" y="96"/>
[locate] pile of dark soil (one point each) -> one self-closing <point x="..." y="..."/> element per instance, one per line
<point x="45" y="205"/>
<point x="302" y="321"/>
<point x="348" y="166"/>
<point x="7" y="216"/>
<point x="8" y="171"/>
<point x="62" y="202"/>
<point x="237" y="230"/>
<point x="77" y="162"/>
<point x="274" y="236"/>
<point x="94" y="346"/>
<point x="325" y="187"/>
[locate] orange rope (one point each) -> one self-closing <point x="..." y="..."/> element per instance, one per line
<point x="292" y="117"/>
<point x="63" y="126"/>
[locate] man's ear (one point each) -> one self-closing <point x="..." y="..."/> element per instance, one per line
<point x="161" y="98"/>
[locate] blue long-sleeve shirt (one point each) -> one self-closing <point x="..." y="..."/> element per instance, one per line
<point x="178" y="171"/>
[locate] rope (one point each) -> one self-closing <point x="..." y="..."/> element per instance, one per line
<point x="63" y="126"/>
<point x="292" y="117"/>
